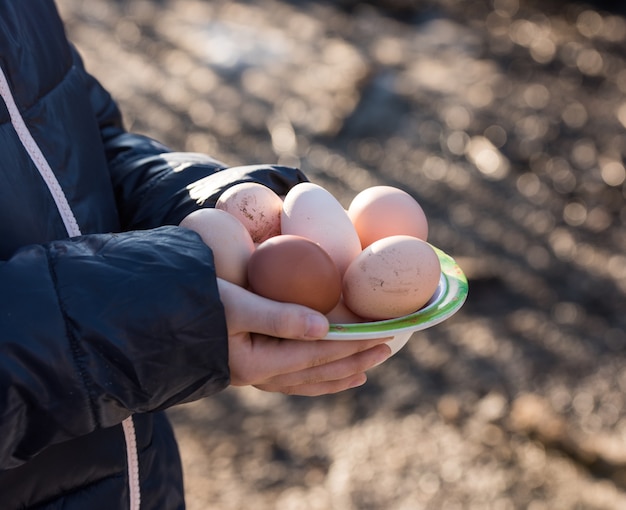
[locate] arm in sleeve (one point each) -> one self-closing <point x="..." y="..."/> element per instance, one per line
<point x="154" y="185"/>
<point x="101" y="326"/>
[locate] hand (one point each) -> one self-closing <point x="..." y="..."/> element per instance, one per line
<point x="276" y="347"/>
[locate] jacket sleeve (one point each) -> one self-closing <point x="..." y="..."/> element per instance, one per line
<point x="102" y="326"/>
<point x="155" y="186"/>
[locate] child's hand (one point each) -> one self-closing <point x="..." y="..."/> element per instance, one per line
<point x="275" y="347"/>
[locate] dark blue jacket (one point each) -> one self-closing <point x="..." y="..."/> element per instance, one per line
<point x="108" y="315"/>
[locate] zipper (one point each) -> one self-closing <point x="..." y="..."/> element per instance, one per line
<point x="72" y="228"/>
<point x="38" y="158"/>
<point x="132" y="462"/>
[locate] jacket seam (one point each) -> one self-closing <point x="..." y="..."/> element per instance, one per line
<point x="75" y="349"/>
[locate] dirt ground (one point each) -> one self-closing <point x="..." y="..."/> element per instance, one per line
<point x="506" y="119"/>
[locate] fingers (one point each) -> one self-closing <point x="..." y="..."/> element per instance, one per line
<point x="276" y="347"/>
<point x="260" y="360"/>
<point x="249" y="312"/>
<point x="296" y="322"/>
<point x="331" y="377"/>
<point x="317" y="389"/>
<point x="270" y="357"/>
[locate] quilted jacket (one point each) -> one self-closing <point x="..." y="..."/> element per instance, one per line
<point x="109" y="313"/>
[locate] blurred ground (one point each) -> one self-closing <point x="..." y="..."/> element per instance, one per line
<point x="506" y="119"/>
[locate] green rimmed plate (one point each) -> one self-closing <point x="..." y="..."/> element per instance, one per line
<point x="449" y="297"/>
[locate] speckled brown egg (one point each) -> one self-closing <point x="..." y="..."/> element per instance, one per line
<point x="294" y="269"/>
<point x="392" y="277"/>
<point x="256" y="206"/>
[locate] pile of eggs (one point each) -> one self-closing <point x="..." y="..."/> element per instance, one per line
<point x="369" y="262"/>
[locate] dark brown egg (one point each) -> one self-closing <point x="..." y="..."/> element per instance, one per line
<point x="293" y="269"/>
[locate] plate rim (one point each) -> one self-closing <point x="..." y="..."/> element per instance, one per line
<point x="453" y="290"/>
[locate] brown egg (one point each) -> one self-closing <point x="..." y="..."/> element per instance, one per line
<point x="293" y="269"/>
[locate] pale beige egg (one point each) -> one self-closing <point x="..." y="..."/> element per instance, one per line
<point x="341" y="314"/>
<point x="311" y="211"/>
<point x="229" y="240"/>
<point x="392" y="277"/>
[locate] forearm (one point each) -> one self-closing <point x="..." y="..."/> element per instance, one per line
<point x="100" y="327"/>
<point x="155" y="187"/>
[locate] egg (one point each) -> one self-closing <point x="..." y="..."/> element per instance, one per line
<point x="256" y="206"/>
<point x="384" y="211"/>
<point x="229" y="240"/>
<point x="392" y="277"/>
<point x="311" y="211"/>
<point x="341" y="314"/>
<point x="293" y="269"/>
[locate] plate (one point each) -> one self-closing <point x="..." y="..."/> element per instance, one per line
<point x="448" y="299"/>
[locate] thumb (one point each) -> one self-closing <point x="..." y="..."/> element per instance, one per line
<point x="249" y="312"/>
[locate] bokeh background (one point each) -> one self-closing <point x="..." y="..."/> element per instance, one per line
<point x="506" y="119"/>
